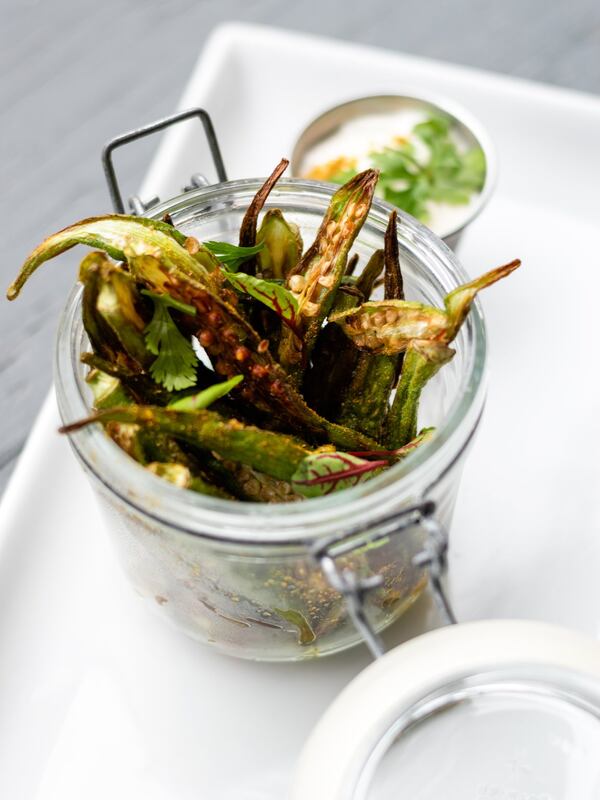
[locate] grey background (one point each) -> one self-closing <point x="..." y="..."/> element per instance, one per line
<point x="73" y="73"/>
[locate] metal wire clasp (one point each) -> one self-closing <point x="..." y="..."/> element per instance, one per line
<point x="354" y="589"/>
<point x="137" y="205"/>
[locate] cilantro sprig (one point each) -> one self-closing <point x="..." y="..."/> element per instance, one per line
<point x="175" y="365"/>
<point x="410" y="180"/>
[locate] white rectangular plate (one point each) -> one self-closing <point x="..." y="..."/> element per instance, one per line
<point x="100" y="699"/>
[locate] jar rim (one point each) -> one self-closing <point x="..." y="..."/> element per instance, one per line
<point x="276" y="523"/>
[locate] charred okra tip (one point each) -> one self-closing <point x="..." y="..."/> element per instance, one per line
<point x="312" y="386"/>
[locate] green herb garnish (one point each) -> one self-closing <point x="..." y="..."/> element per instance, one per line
<point x="175" y="366"/>
<point x="410" y="181"/>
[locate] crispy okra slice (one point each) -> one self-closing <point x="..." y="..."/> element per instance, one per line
<point x="333" y="359"/>
<point x="365" y="282"/>
<point x="389" y="326"/>
<point x="366" y="402"/>
<point x="118" y="304"/>
<point x="351" y="266"/>
<point x="103" y="340"/>
<point x="107" y="390"/>
<point x="424" y="333"/>
<point x="118" y="234"/>
<point x="320" y="271"/>
<point x="282" y="245"/>
<point x="422" y="360"/>
<point x="248" y="228"/>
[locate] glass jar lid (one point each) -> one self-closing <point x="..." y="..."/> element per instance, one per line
<point x="494" y="710"/>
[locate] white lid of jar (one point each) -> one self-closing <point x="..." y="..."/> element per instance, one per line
<point x="493" y="710"/>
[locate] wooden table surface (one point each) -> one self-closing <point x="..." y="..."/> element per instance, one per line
<point x="73" y="73"/>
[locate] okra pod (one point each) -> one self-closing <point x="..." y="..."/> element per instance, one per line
<point x="422" y="361"/>
<point x="275" y="454"/>
<point x="248" y="228"/>
<point x="282" y="248"/>
<point x="322" y="268"/>
<point x="367" y="398"/>
<point x="120" y="235"/>
<point x="373" y="269"/>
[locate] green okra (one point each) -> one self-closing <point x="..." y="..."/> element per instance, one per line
<point x="333" y="359"/>
<point x="367" y="398"/>
<point x="282" y="245"/>
<point x="320" y="272"/>
<point x="116" y="304"/>
<point x="248" y="228"/>
<point x="119" y="236"/>
<point x="107" y="390"/>
<point x="147" y="450"/>
<point x="138" y="385"/>
<point x="351" y="265"/>
<point x="422" y="361"/>
<point x="275" y="454"/>
<point x="390" y="326"/>
<point x="373" y="269"/>
<point x="101" y="337"/>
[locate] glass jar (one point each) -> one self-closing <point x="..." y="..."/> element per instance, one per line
<point x="243" y="576"/>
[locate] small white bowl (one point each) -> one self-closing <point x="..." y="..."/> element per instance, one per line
<point x="472" y="132"/>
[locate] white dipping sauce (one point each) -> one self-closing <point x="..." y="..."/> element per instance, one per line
<point x="358" y="137"/>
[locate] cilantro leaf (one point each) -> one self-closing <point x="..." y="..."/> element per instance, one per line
<point x="175" y="365"/>
<point x="231" y="255"/>
<point x="207" y="396"/>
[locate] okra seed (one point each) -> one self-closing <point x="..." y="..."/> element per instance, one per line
<point x="297" y="283"/>
<point x="327" y="280"/>
<point x="192" y="245"/>
<point x="259" y="371"/>
<point x="242" y="354"/>
<point x="230" y="335"/>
